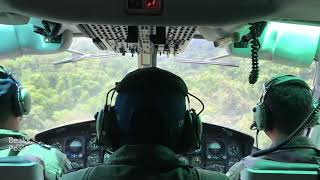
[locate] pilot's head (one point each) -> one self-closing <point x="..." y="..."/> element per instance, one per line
<point x="14" y="101"/>
<point x="150" y="108"/>
<point x="285" y="104"/>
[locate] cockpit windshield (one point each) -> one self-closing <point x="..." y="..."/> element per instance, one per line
<point x="71" y="92"/>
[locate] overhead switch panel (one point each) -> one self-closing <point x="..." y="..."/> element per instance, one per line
<point x="140" y="39"/>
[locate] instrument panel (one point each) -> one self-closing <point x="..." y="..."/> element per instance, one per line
<point x="220" y="147"/>
<point x="77" y="141"/>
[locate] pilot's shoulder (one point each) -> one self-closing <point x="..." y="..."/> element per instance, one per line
<point x="42" y="145"/>
<point x="206" y="174"/>
<point x="54" y="159"/>
<point x="41" y="149"/>
<point x="39" y="146"/>
<point x="80" y="174"/>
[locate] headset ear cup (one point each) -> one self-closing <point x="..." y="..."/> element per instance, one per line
<point x="17" y="104"/>
<point x="259" y="116"/>
<point x="192" y="130"/>
<point x="197" y="125"/>
<point x="22" y="102"/>
<point x="107" y="128"/>
<point x="25" y="101"/>
<point x="22" y="99"/>
<point x="186" y="137"/>
<point x="316" y="118"/>
<point x="111" y="126"/>
<point x="99" y="123"/>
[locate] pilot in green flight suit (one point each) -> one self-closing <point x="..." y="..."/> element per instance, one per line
<point x="284" y="105"/>
<point x="146" y="128"/>
<point x="14" y="103"/>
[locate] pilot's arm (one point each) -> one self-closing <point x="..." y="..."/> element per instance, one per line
<point x="56" y="163"/>
<point x="235" y="170"/>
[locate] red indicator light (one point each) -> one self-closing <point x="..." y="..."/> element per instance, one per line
<point x="152" y="4"/>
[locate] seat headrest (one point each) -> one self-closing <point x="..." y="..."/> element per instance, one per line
<point x="263" y="164"/>
<point x="21" y="160"/>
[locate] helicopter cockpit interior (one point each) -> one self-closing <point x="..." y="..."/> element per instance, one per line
<point x="149" y="29"/>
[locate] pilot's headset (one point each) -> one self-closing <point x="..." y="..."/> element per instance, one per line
<point x="261" y="113"/>
<point x="108" y="132"/>
<point x="21" y="98"/>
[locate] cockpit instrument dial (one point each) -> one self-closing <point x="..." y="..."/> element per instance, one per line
<point x="233" y="149"/>
<point x="217" y="167"/>
<point x="77" y="164"/>
<point x="93" y="159"/>
<point x="196" y="161"/>
<point x="214" y="147"/>
<point x="74" y="148"/>
<point x="75" y="145"/>
<point x="198" y="150"/>
<point x="183" y="159"/>
<point x="92" y="145"/>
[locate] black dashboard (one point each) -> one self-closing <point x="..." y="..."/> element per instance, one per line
<point x="77" y="141"/>
<point x="220" y="147"/>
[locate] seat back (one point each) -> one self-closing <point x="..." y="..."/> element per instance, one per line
<point x="271" y="170"/>
<point x="21" y="167"/>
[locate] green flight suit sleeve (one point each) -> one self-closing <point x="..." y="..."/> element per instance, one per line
<point x="235" y="170"/>
<point x="82" y="174"/>
<point x="211" y="175"/>
<point x="56" y="163"/>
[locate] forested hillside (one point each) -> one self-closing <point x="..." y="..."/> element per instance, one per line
<point x="74" y="92"/>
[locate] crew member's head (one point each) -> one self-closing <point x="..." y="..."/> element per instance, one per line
<point x="286" y="102"/>
<point x="150" y="108"/>
<point x="14" y="101"/>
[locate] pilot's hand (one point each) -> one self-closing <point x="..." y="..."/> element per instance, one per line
<point x="235" y="170"/>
